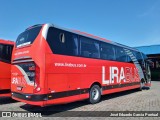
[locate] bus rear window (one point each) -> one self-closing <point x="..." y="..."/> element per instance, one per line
<point x="28" y="36"/>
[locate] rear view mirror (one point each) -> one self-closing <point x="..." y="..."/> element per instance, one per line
<point x="150" y="63"/>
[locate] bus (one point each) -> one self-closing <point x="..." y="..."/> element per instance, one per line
<point x="6" y="47"/>
<point x="55" y="65"/>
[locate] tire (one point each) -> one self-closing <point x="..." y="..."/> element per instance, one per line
<point x="94" y="94"/>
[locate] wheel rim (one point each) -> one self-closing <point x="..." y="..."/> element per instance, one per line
<point x="95" y="94"/>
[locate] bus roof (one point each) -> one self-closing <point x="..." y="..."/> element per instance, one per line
<point x="85" y="35"/>
<point x="7" y="42"/>
<point x="90" y="35"/>
<point x="102" y="39"/>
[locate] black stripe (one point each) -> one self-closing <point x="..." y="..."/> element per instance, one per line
<point x="50" y="96"/>
<point x="67" y="93"/>
<point x="108" y="87"/>
<point x="5" y="91"/>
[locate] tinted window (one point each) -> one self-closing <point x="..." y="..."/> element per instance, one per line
<point x="140" y="59"/>
<point x="107" y="51"/>
<point x="129" y="59"/>
<point x="89" y="48"/>
<point x="5" y="52"/>
<point x="26" y="68"/>
<point x="28" y="36"/>
<point x="138" y="56"/>
<point x="120" y="54"/>
<point x="62" y="42"/>
<point x="129" y="55"/>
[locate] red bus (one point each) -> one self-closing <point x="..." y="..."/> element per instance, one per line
<point x="5" y="67"/>
<point x="54" y="65"/>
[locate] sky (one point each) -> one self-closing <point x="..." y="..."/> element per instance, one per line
<point x="129" y="22"/>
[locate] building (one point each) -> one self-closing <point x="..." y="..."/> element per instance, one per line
<point x="153" y="53"/>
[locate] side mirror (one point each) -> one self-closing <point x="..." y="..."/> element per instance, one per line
<point x="150" y="63"/>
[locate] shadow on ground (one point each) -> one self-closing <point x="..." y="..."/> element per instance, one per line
<point x="54" y="109"/>
<point x="6" y="100"/>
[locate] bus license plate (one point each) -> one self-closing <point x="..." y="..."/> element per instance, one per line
<point x="19" y="88"/>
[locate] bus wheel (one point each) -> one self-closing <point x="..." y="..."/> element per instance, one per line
<point x="94" y="94"/>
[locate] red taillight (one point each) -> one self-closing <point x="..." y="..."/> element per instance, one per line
<point x="37" y="80"/>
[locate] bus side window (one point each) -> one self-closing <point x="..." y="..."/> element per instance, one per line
<point x="89" y="48"/>
<point x="129" y="54"/>
<point x="120" y="54"/>
<point x="107" y="51"/>
<point x="75" y="45"/>
<point x="1" y="51"/>
<point x="62" y="42"/>
<point x="139" y="57"/>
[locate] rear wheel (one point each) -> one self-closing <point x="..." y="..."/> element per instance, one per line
<point x="94" y="94"/>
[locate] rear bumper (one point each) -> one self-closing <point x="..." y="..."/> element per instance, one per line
<point x="31" y="99"/>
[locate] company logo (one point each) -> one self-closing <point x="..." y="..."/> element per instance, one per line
<point x="117" y="75"/>
<point x="18" y="80"/>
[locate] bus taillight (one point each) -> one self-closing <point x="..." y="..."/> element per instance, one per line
<point x="37" y="79"/>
